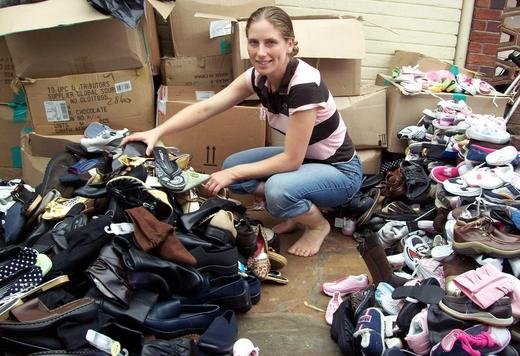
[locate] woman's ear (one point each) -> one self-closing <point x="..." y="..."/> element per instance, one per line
<point x="290" y="45"/>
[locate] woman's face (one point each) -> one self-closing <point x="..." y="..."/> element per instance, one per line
<point x="268" y="50"/>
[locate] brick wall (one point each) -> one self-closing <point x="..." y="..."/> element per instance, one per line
<point x="485" y="36"/>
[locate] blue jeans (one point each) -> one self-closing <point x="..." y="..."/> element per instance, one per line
<point x="291" y="194"/>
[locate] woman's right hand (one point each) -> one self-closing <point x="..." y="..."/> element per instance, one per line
<point x="149" y="138"/>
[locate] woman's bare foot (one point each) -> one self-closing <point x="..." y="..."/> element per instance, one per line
<point x="310" y="242"/>
<point x="285" y="227"/>
<point x="317" y="229"/>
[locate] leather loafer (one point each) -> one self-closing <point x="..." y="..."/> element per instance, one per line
<point x="216" y="261"/>
<point x="229" y="292"/>
<point x="171" y="319"/>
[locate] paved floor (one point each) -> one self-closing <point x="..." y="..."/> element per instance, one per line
<point x="280" y="324"/>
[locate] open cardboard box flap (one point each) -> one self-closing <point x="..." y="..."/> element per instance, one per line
<point x="54" y="13"/>
<point x="310" y="32"/>
<point x="426" y="63"/>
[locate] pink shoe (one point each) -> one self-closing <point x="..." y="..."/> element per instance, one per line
<point x="418" y="335"/>
<point x="345" y="285"/>
<point x="332" y="307"/>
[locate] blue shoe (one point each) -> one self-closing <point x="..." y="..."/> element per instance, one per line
<point x="229" y="292"/>
<point x="370" y="332"/>
<point x="221" y="335"/>
<point x="170" y="318"/>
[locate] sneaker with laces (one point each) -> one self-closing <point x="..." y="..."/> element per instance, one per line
<point x="392" y="232"/>
<point x="415" y="248"/>
<point x="418" y="336"/>
<point x="476" y="340"/>
<point x="333" y="305"/>
<point x="345" y="285"/>
<point x="384" y="299"/>
<point x="370" y="332"/>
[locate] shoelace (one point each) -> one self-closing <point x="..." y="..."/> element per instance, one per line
<point x="481" y="340"/>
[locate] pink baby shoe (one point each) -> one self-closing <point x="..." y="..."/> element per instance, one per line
<point x="345" y="285"/>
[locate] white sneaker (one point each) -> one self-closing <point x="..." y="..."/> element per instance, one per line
<point x="396" y="261"/>
<point x="383" y="295"/>
<point x="415" y="248"/>
<point x="391" y="232"/>
<point x="488" y="130"/>
<point x="502" y="156"/>
<point x="412" y="133"/>
<point x="515" y="265"/>
<point x="106" y="140"/>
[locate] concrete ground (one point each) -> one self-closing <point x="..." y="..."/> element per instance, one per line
<point x="280" y="324"/>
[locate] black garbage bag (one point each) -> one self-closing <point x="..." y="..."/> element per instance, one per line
<point x="128" y="11"/>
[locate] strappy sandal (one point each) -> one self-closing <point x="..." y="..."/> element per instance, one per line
<point x="374" y="194"/>
<point x="276" y="277"/>
<point x="416" y="180"/>
<point x="397" y="210"/>
<point x="172" y="177"/>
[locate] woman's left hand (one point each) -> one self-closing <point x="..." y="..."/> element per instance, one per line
<point x="218" y="181"/>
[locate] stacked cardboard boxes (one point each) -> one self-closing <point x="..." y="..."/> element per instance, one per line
<point x="76" y="66"/>
<point x="202" y="66"/>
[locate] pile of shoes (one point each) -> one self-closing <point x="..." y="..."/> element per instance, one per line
<point x="114" y="247"/>
<point x="442" y="245"/>
<point x="413" y="80"/>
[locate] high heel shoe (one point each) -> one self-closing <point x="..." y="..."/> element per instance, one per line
<point x="259" y="262"/>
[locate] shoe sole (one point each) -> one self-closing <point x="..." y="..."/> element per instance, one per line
<point x="9" y="304"/>
<point x="477" y="248"/>
<point x="483" y="317"/>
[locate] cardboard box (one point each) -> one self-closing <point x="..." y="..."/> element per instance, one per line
<point x="182" y="93"/>
<point x="11" y="129"/>
<point x="211" y="71"/>
<point x="6" y="72"/>
<point x="404" y="110"/>
<point x="191" y="35"/>
<point x="425" y="63"/>
<point x="67" y="105"/>
<point x="210" y="142"/>
<point x="365" y="116"/>
<point x="37" y="151"/>
<point x="339" y="64"/>
<point x="55" y="37"/>
<point x="10" y="173"/>
<point x="370" y="159"/>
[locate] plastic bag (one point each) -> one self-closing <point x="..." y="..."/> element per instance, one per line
<point x="128" y="11"/>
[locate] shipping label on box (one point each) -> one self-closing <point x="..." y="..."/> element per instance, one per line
<point x="6" y="72"/>
<point x="211" y="71"/>
<point x="212" y="141"/>
<point x="67" y="105"/>
<point x="191" y="35"/>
